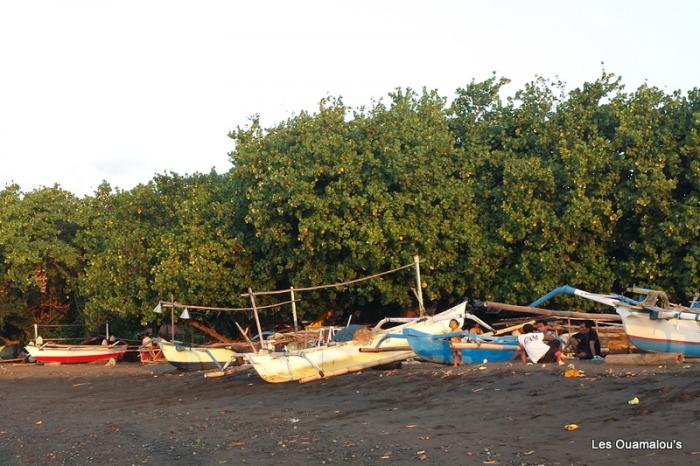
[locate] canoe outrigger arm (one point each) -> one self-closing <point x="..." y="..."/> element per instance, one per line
<point x="466" y="315"/>
<point x="386" y="337"/>
<point x="610" y="300"/>
<point x="648" y="305"/>
<point x="216" y="363"/>
<point x="311" y="363"/>
<point x="470" y="316"/>
<point x="397" y="320"/>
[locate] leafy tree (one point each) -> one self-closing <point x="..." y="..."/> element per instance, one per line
<point x="40" y="260"/>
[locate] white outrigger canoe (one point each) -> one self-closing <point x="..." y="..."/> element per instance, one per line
<point x="72" y="354"/>
<point x="654" y="324"/>
<point x="385" y="346"/>
<point x="195" y="358"/>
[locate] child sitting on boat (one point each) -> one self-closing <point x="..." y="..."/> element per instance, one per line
<point x="540" y="348"/>
<point x="476" y="329"/>
<point x="456" y="354"/>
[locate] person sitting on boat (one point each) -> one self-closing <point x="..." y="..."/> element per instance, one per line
<point x="109" y="341"/>
<point x="586" y="343"/>
<point x="540" y="348"/>
<point x="147" y="347"/>
<point x="456" y="353"/>
<point x="476" y="329"/>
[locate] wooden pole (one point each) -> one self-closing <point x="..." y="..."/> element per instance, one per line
<point x="227" y="371"/>
<point x="645" y="358"/>
<point x="548" y="312"/>
<point x="172" y="319"/>
<point x="36" y="332"/>
<point x="208" y="331"/>
<point x="385" y="349"/>
<point x="419" y="288"/>
<point x="245" y="336"/>
<point x="294" y="309"/>
<point x="510" y="329"/>
<point x="107" y="330"/>
<point x="484" y="346"/>
<point x="257" y="318"/>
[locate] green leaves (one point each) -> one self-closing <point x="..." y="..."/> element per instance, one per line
<point x="39" y="258"/>
<point x="502" y="198"/>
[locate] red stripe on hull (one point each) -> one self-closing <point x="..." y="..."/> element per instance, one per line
<point x="78" y="359"/>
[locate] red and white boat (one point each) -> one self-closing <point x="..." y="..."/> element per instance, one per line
<point x="71" y="354"/>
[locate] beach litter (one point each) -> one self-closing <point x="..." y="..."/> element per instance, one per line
<point x="571" y="427"/>
<point x="571" y="371"/>
<point x="633" y="401"/>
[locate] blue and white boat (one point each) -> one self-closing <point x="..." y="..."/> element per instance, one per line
<point x="653" y="324"/>
<point x="437" y="348"/>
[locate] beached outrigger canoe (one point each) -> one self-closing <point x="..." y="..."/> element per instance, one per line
<point x="196" y="358"/>
<point x="654" y="324"/>
<point x="475" y="348"/>
<point x="384" y="346"/>
<point x="72" y="354"/>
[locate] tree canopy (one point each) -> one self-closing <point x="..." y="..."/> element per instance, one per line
<point x="502" y="197"/>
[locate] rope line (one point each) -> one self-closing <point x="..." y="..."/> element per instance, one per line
<point x="333" y="285"/>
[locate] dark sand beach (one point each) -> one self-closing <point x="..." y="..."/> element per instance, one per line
<point x="506" y="414"/>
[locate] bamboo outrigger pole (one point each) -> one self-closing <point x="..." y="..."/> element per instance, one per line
<point x="294" y="309"/>
<point x="549" y="312"/>
<point x="172" y="319"/>
<point x="257" y="318"/>
<point x="419" y="288"/>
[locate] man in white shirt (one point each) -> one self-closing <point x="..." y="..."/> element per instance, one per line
<point x="540" y="348"/>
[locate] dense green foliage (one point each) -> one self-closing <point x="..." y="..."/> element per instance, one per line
<point x="502" y="198"/>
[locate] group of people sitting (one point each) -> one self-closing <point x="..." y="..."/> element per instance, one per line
<point x="540" y="344"/>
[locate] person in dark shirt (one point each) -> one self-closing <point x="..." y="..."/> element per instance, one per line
<point x="585" y="343"/>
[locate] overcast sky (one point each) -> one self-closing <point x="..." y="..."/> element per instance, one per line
<point x="120" y="90"/>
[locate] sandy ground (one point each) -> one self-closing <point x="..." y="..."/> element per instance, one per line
<point x="421" y="413"/>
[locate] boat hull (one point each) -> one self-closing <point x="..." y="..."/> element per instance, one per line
<point x="193" y="358"/>
<point x="661" y="336"/>
<point x="439" y="351"/>
<point x="277" y="367"/>
<point x="75" y="355"/>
